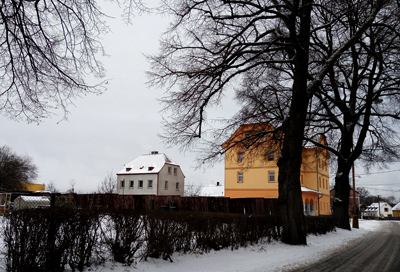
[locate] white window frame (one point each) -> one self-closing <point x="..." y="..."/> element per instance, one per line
<point x="140" y="184"/>
<point x="240" y="177"/>
<point x="175" y="171"/>
<point x="169" y="170"/>
<point x="122" y="183"/>
<point x="271" y="174"/>
<point x="166" y="185"/>
<point x="150" y="183"/>
<point x="131" y="184"/>
<point x="177" y="186"/>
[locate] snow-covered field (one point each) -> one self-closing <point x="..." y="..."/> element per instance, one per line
<point x="275" y="256"/>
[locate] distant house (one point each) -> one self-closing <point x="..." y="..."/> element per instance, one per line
<point x="151" y="174"/>
<point x="396" y="210"/>
<point x="213" y="190"/>
<point x="380" y="209"/>
<point x="30" y="202"/>
<point x="251" y="169"/>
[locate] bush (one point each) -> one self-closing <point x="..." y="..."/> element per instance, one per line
<point x="51" y="239"/>
<point x="122" y="233"/>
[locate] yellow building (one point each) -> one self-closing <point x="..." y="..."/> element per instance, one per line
<point x="33" y="187"/>
<point x="396" y="210"/>
<point x="251" y="169"/>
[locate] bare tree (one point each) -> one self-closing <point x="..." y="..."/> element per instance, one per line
<point x="108" y="185"/>
<point x="47" y="48"/>
<point x="193" y="190"/>
<point x="362" y="194"/>
<point x="15" y="170"/>
<point x="357" y="104"/>
<point x="51" y="187"/>
<point x="213" y="45"/>
<point x="72" y="182"/>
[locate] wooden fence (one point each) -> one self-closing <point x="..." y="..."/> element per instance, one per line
<point x="194" y="204"/>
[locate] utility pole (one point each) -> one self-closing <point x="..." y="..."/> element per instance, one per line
<point x="354" y="192"/>
<point x="379" y="205"/>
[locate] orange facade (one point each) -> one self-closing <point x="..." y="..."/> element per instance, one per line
<point x="251" y="169"/>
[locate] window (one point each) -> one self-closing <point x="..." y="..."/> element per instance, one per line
<point x="122" y="183"/>
<point x="271" y="156"/>
<point x="131" y="183"/>
<point x="240" y="157"/>
<point x="169" y="170"/>
<point x="240" y="177"/>
<point x="166" y="185"/>
<point x="271" y="175"/>
<point x="177" y="186"/>
<point x="386" y="209"/>
<point x="150" y="184"/>
<point x="302" y="181"/>
<point x="320" y="185"/>
<point x="140" y="183"/>
<point x="175" y="171"/>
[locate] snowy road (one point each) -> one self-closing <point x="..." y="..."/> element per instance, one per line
<point x="378" y="251"/>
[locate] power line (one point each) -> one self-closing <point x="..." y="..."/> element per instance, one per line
<point x="382" y="172"/>
<point x="369" y="185"/>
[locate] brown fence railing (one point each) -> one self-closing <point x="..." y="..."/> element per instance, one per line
<point x="199" y="204"/>
<point x="142" y="203"/>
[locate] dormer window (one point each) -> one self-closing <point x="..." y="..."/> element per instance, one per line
<point x="128" y="169"/>
<point x="151" y="168"/>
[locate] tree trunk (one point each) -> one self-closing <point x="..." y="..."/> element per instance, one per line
<point x="289" y="163"/>
<point x="341" y="200"/>
<point x="290" y="198"/>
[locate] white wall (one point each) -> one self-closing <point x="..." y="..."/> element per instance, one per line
<point x="136" y="190"/>
<point x="172" y="180"/>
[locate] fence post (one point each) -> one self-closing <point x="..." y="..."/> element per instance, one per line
<point x="52" y="200"/>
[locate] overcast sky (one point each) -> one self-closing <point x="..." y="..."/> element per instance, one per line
<point x="105" y="132"/>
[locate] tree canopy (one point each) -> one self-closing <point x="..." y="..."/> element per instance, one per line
<point x="15" y="169"/>
<point x="278" y="52"/>
<point x="48" y="48"/>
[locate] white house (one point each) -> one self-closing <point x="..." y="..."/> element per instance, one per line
<point x="152" y="174"/>
<point x="27" y="202"/>
<point x="213" y="190"/>
<point x="380" y="209"/>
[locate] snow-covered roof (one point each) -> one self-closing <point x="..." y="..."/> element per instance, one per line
<point x="35" y="198"/>
<point x="147" y="164"/>
<point x="213" y="190"/>
<point x="396" y="207"/>
<point x="305" y="189"/>
<point x="375" y="206"/>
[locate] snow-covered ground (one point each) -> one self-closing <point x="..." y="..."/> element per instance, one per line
<point x="275" y="256"/>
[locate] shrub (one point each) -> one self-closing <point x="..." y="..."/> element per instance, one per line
<point x="122" y="233"/>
